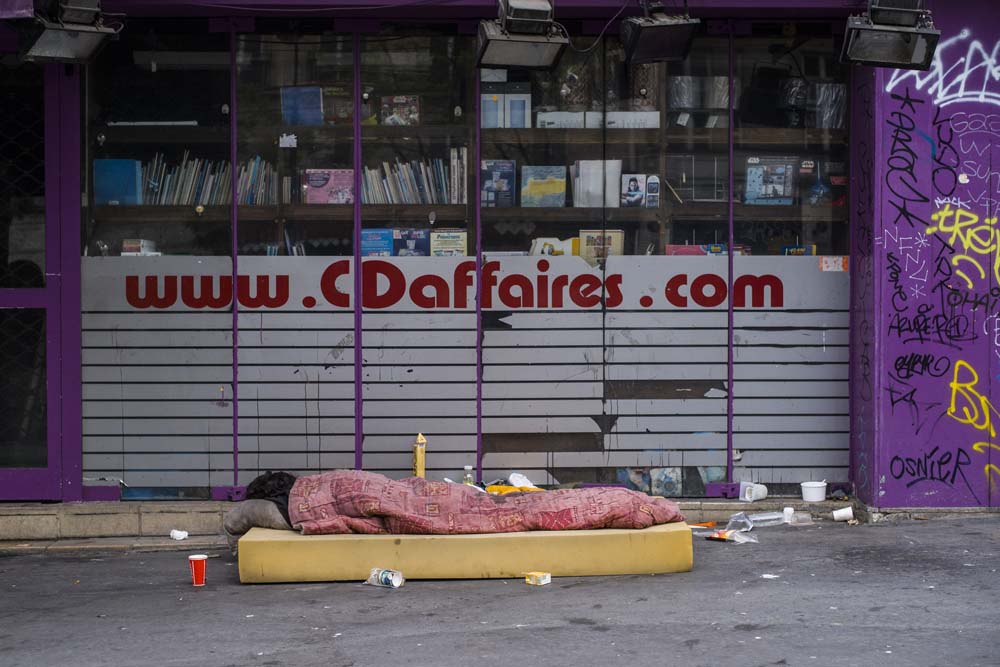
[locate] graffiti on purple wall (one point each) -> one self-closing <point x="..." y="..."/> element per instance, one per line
<point x="937" y="246"/>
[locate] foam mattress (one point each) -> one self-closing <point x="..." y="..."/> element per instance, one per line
<point x="277" y="556"/>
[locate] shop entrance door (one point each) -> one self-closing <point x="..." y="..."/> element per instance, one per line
<point x="30" y="463"/>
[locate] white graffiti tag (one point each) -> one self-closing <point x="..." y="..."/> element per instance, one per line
<point x="973" y="77"/>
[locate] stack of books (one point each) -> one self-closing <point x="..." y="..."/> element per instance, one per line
<point x="194" y="182"/>
<point x="432" y="181"/>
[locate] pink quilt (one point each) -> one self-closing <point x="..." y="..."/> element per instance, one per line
<point x="351" y="501"/>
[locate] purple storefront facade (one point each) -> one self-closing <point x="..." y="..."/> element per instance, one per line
<point x="922" y="347"/>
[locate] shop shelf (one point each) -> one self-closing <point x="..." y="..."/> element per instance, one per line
<point x="743" y="213"/>
<point x="760" y="137"/>
<point x="558" y="136"/>
<point x="163" y="134"/>
<point x="570" y="214"/>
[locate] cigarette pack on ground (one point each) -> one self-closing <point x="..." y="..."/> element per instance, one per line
<point x="537" y="578"/>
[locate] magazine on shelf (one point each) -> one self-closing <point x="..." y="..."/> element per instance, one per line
<point x="596" y="183"/>
<point x="498" y="183"/>
<point x="329" y="186"/>
<point x="770" y="181"/>
<point x="543" y="186"/>
<point x="449" y="243"/>
<point x="400" y="110"/>
<point x="376" y="243"/>
<point x="633" y="190"/>
<point x="411" y="242"/>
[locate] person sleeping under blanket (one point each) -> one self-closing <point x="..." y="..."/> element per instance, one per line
<point x="355" y="501"/>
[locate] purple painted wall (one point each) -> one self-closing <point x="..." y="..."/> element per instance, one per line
<point x="863" y="378"/>
<point x="936" y="351"/>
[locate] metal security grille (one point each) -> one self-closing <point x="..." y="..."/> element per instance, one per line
<point x="23" y="442"/>
<point x="22" y="176"/>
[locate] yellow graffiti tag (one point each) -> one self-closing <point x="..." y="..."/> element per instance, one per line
<point x="972" y="238"/>
<point x="977" y="410"/>
<point x="991" y="470"/>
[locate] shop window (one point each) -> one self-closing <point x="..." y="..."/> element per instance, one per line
<point x="22" y="175"/>
<point x="418" y="243"/>
<point x="295" y="106"/>
<point x="790" y="160"/>
<point x="156" y="156"/>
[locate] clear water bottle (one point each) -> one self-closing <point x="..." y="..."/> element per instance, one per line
<point x="468" y="478"/>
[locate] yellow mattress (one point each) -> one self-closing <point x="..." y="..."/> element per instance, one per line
<point x="275" y="556"/>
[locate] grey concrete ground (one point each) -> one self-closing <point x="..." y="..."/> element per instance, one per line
<point x="918" y="593"/>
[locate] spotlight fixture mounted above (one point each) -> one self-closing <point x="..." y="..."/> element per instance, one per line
<point x="657" y="37"/>
<point x="524" y="36"/>
<point x="64" y="31"/>
<point x="894" y="33"/>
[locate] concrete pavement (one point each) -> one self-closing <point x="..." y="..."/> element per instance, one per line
<point x="915" y="593"/>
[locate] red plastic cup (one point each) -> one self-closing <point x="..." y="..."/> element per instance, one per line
<point x="198" y="563"/>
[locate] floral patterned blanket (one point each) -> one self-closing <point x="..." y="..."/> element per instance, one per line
<point x="351" y="501"/>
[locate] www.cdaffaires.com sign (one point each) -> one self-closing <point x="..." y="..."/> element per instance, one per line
<point x="446" y="283"/>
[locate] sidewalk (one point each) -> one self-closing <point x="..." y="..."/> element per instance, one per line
<point x="917" y="594"/>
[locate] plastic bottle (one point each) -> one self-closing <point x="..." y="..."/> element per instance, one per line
<point x="766" y="519"/>
<point x="468" y="478"/>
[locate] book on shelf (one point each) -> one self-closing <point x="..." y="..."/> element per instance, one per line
<point x="329" y="186"/>
<point x="411" y="242"/>
<point x="543" y="186"/>
<point x="376" y="242"/>
<point x="429" y="181"/>
<point x="400" y="110"/>
<point x="598" y="244"/>
<point x="338" y="105"/>
<point x="449" y="243"/>
<point x="194" y="182"/>
<point x="633" y="190"/>
<point x="118" y="182"/>
<point x="596" y="183"/>
<point x="302" y="105"/>
<point x="498" y="183"/>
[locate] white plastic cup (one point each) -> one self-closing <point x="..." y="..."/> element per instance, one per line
<point x="843" y="514"/>
<point x="788" y="513"/>
<point x="751" y="492"/>
<point x="813" y="492"/>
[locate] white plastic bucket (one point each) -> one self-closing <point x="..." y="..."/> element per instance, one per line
<point x="814" y="492"/>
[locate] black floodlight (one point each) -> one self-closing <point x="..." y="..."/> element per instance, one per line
<point x="51" y="42"/>
<point x="64" y="31"/>
<point x="895" y="42"/>
<point x="657" y="37"/>
<point x="525" y="36"/>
